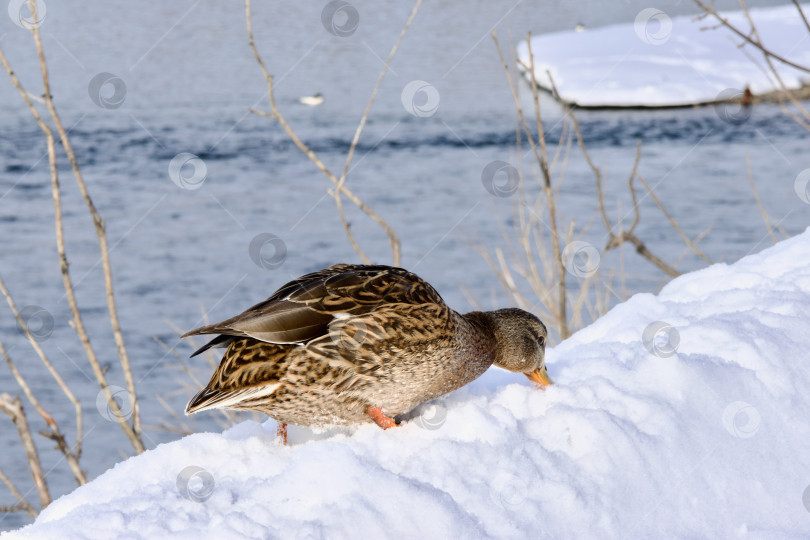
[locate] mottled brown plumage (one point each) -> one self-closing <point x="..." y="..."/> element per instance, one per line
<point x="331" y="345"/>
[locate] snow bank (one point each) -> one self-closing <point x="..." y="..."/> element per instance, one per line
<point x="663" y="61"/>
<point x="702" y="430"/>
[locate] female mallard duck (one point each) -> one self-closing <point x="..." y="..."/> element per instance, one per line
<point x="357" y="343"/>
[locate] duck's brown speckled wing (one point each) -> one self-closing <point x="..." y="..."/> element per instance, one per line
<point x="302" y="310"/>
<point x="338" y="326"/>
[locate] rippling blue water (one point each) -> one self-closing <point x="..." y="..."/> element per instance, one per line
<point x="190" y="79"/>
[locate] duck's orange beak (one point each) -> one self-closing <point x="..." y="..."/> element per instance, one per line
<point x="539" y="377"/>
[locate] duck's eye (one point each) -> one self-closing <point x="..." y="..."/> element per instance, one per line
<point x="542" y="341"/>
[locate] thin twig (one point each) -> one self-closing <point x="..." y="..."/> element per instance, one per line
<point x="615" y="240"/>
<point x="77" y="406"/>
<point x="380" y="78"/>
<point x="539" y="151"/>
<point x="13" y="408"/>
<point x="801" y="14"/>
<point x="132" y="431"/>
<point x="364" y="119"/>
<point x="633" y="172"/>
<point x="672" y="222"/>
<point x="762" y="211"/>
<point x="23" y="504"/>
<point x="78" y="325"/>
<point x="276" y="114"/>
<point x="753" y="41"/>
<point x="71" y="455"/>
<point x="552" y="207"/>
<point x="785" y="91"/>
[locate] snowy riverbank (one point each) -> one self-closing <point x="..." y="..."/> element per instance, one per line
<point x="700" y="431"/>
<point x="659" y="61"/>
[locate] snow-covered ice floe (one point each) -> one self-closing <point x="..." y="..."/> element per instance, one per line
<point x="681" y="414"/>
<point x="658" y="61"/>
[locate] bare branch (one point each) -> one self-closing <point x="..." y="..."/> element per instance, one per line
<point x="132" y="431"/>
<point x="361" y="125"/>
<point x="672" y="222"/>
<point x="364" y="118"/>
<point x="633" y="172"/>
<point x="753" y="41"/>
<point x="541" y="157"/>
<point x="801" y="14"/>
<point x="762" y="211"/>
<point x="14" y="410"/>
<point x="552" y="207"/>
<point x="340" y="187"/>
<point x="71" y="456"/>
<point x="23" y="504"/>
<point x="615" y="240"/>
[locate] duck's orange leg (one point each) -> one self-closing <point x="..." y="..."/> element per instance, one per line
<point x="281" y="431"/>
<point x="379" y="417"/>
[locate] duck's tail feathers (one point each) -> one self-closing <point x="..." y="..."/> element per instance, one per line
<point x="219" y="342"/>
<point x="244" y="398"/>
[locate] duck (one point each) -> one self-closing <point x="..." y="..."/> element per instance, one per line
<point x="313" y="100"/>
<point x="355" y="343"/>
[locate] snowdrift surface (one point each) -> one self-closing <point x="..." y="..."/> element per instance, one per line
<point x="661" y="61"/>
<point x="709" y="440"/>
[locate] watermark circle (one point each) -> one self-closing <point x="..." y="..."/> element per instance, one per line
<point x="108" y="91"/>
<point x="508" y="491"/>
<point x="38" y="320"/>
<point x="420" y="98"/>
<point x="195" y="483"/>
<point x="653" y="26"/>
<point x="500" y="179"/>
<point x="124" y="400"/>
<point x="802" y="186"/>
<point x="581" y="259"/>
<point x="741" y="419"/>
<point x="432" y="416"/>
<point x="731" y="106"/>
<point x="661" y="339"/>
<point x="187" y="171"/>
<point x="348" y="332"/>
<point x="267" y="251"/>
<point x="340" y="18"/>
<point x="20" y="15"/>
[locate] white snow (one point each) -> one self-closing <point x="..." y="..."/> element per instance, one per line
<point x="661" y="61"/>
<point x="709" y="440"/>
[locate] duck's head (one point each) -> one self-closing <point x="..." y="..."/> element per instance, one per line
<point x="520" y="339"/>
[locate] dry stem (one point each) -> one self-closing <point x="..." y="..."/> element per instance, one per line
<point x="540" y="154"/>
<point x="71" y="455"/>
<point x="14" y="409"/>
<point x="672" y="221"/>
<point x="131" y="431"/>
<point x="617" y="239"/>
<point x="23" y="504"/>
<point x="339" y="185"/>
<point x="762" y="211"/>
<point x="754" y="39"/>
<point x="72" y="459"/>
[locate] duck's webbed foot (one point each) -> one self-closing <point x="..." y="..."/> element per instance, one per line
<point x="281" y="431"/>
<point x="379" y="417"/>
